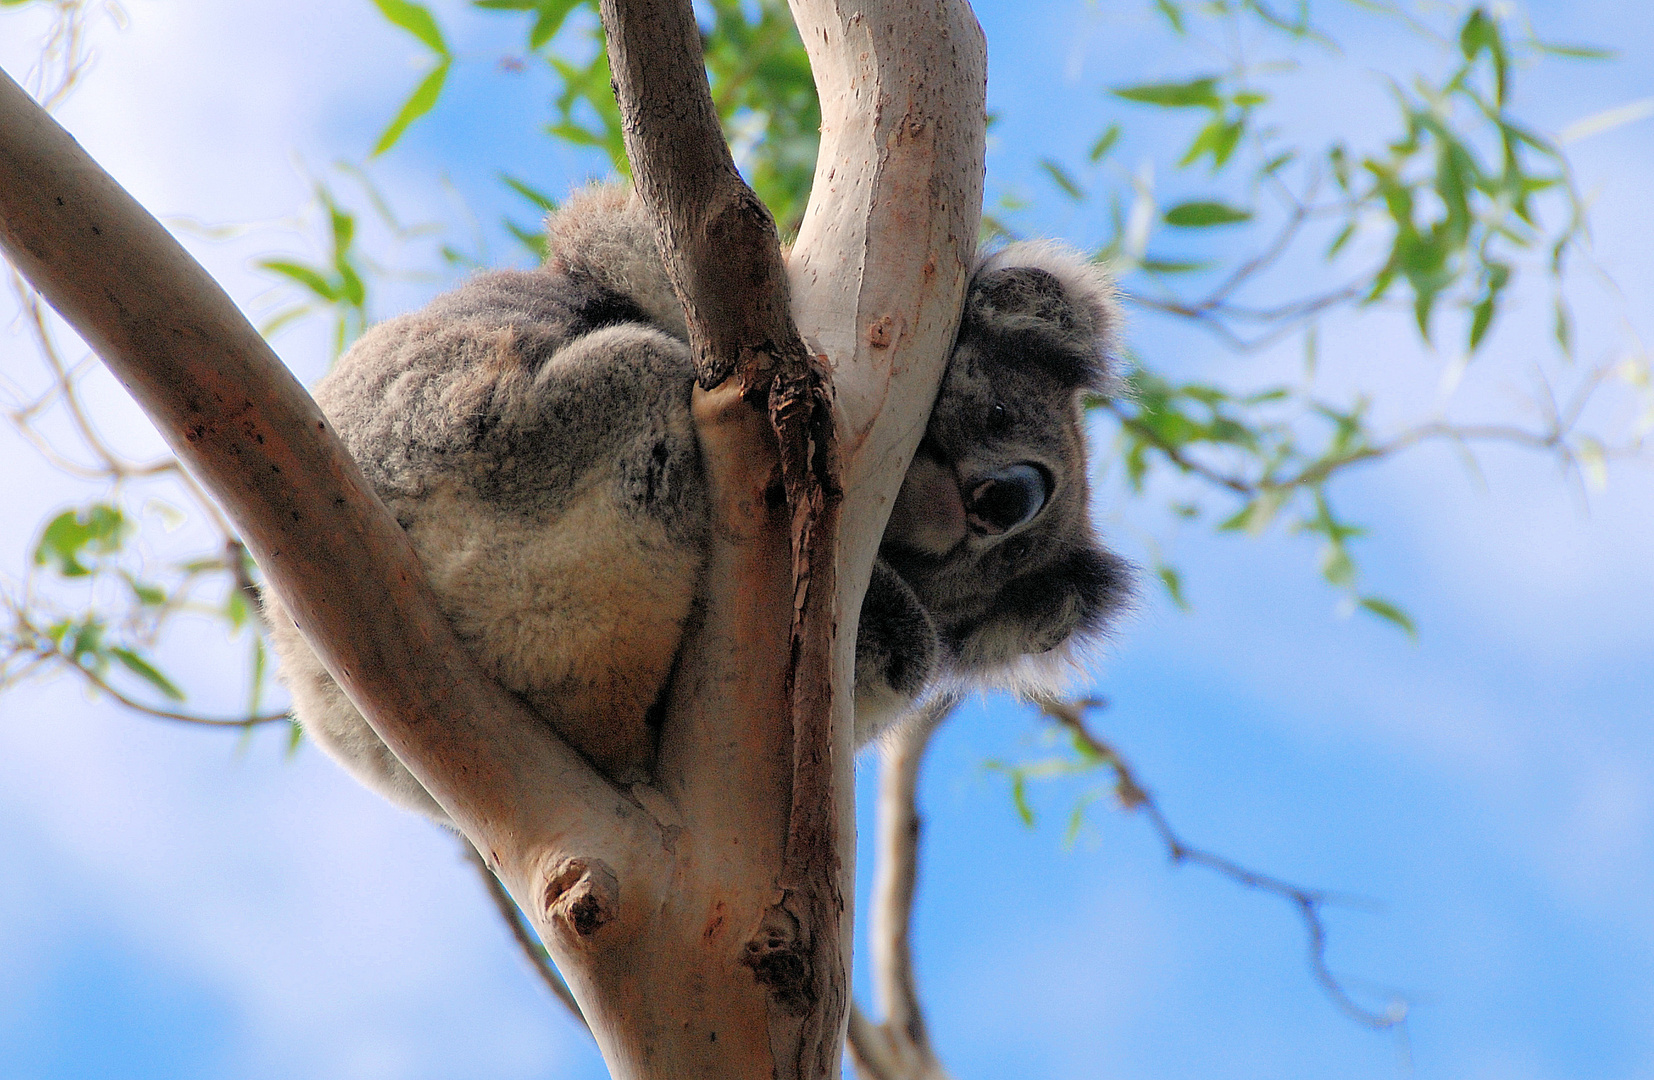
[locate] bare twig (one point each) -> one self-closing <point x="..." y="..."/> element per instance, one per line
<point x="1309" y="902"/>
<point x="534" y="952"/>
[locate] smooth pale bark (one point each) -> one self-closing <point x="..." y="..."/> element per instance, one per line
<point x="702" y="921"/>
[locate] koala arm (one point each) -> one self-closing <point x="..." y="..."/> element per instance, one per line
<point x="895" y="652"/>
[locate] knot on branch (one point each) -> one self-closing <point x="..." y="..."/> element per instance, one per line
<point x="780" y="961"/>
<point x="582" y="896"/>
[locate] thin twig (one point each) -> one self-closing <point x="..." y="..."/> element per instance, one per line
<point x="1309" y="902"/>
<point x="527" y="943"/>
<point x="870" y="1051"/>
<point x="99" y="683"/>
<point x="1552" y="437"/>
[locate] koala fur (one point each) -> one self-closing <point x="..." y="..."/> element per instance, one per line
<point x="531" y="432"/>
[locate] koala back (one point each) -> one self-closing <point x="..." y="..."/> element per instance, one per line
<point x="531" y="432"/>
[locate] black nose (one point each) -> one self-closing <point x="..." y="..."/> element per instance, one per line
<point x="1005" y="499"/>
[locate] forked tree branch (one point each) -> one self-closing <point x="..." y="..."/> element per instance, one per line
<point x="896" y="150"/>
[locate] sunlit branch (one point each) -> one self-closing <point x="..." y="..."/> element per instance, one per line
<point x="1309" y="902"/>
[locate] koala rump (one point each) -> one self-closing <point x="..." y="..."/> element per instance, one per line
<point x="532" y="433"/>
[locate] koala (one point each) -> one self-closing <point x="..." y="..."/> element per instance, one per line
<point x="531" y="432"/>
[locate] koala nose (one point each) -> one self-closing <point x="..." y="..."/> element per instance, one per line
<point x="1003" y="500"/>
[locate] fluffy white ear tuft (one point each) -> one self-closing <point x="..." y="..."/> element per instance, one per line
<point x="1092" y="298"/>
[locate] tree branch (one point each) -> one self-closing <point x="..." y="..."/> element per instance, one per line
<point x="899" y="1048"/>
<point x="896" y="876"/>
<point x="786" y="587"/>
<point x="250" y="434"/>
<point x="1309" y="902"/>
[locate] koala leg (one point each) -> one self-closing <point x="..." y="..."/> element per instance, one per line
<point x="895" y="652"/>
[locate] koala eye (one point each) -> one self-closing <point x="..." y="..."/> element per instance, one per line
<point x="1010" y="497"/>
<point x="999" y="418"/>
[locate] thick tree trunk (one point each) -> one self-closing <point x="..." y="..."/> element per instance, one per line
<point x="703" y="920"/>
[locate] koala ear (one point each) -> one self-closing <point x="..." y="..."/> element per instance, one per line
<point x="1063" y="308"/>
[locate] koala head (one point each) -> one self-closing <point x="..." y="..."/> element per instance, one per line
<point x="991" y="527"/>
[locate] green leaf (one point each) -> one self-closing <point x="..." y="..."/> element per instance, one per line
<point x="99" y="529"/>
<point x="1203" y="214"/>
<point x="1277" y="163"/>
<point x="1196" y="93"/>
<point x="1562" y="328"/>
<point x="1576" y="52"/>
<point x="534" y="195"/>
<point x="1340" y="240"/>
<point x="415" y="19"/>
<point x="1480" y="32"/>
<point x="351" y="289"/>
<point x="549" y="21"/>
<point x="1105" y="142"/>
<point x="1477" y="33"/>
<point x="1257" y="514"/>
<point x="1173" y="266"/>
<point x="146" y="594"/>
<point x="1019" y="796"/>
<point x="420" y="102"/>
<point x="304" y="275"/>
<point x="83" y="641"/>
<point x="255" y="682"/>
<point x="1173" y="583"/>
<point x="1336" y="566"/>
<point x="1173" y="14"/>
<point x="236" y="609"/>
<point x="1481" y="319"/>
<point x="532" y="239"/>
<point x="146" y="671"/>
<point x="1062" y="179"/>
<point x="1390" y="613"/>
<point x="1218" y="138"/>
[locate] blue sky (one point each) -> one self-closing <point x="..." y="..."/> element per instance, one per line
<point x="180" y="904"/>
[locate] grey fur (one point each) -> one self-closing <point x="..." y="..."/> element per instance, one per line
<point x="531" y="431"/>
